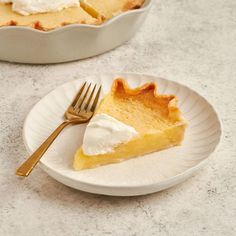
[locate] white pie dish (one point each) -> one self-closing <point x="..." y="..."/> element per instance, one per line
<point x="143" y="175"/>
<point x="71" y="42"/>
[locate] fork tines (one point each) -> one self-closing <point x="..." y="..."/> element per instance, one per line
<point x="84" y="100"/>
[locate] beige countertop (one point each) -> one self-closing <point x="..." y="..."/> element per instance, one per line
<point x="192" y="42"/>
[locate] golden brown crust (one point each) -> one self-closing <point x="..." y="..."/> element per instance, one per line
<point x="133" y="4"/>
<point x="170" y="102"/>
<point x="12" y="23"/>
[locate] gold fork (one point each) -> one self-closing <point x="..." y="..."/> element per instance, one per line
<point x="80" y="111"/>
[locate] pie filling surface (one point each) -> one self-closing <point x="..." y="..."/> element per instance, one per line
<point x="155" y="117"/>
<point x="45" y="21"/>
<point x="89" y="12"/>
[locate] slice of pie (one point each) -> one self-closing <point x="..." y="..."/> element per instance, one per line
<point x="155" y="118"/>
<point x="45" y="21"/>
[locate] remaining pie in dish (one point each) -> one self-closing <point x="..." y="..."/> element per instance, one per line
<point x="130" y="123"/>
<point x="45" y="21"/>
<point x="92" y="12"/>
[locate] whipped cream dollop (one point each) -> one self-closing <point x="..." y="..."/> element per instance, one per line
<point x="104" y="133"/>
<point x="28" y="7"/>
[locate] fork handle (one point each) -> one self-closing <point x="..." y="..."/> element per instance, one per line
<point x="31" y="162"/>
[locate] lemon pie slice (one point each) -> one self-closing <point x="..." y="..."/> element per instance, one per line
<point x="130" y="123"/>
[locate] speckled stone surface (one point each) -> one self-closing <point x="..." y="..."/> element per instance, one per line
<point x="192" y="42"/>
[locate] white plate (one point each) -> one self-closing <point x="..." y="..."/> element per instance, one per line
<point x="143" y="175"/>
